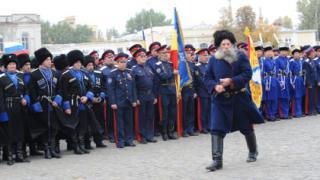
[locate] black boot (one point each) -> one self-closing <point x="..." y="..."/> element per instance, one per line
<point x="164" y="133"/>
<point x="9" y="158"/>
<point x="52" y="149"/>
<point x="171" y="134"/>
<point x="34" y="150"/>
<point x="217" y="152"/>
<point x="47" y="153"/>
<point x="87" y="144"/>
<point x="57" y="146"/>
<point x="252" y="146"/>
<point x="19" y="155"/>
<point x="82" y="145"/>
<point x="5" y="153"/>
<point x="76" y="149"/>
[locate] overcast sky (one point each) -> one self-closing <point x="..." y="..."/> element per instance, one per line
<point x="114" y="13"/>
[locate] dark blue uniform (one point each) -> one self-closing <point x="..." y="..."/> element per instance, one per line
<point x="283" y="70"/>
<point x="122" y="92"/>
<point x="131" y="63"/>
<point x="187" y="93"/>
<point x="270" y="87"/>
<point x="144" y="78"/>
<point x="106" y="70"/>
<point x="167" y="93"/>
<point x="203" y="96"/>
<point x="318" y="83"/>
<point x="310" y="69"/>
<point x="228" y="107"/>
<point x="297" y="86"/>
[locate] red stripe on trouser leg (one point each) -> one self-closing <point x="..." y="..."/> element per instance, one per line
<point x="199" y="114"/>
<point x="115" y="126"/>
<point x="136" y="123"/>
<point x="306" y="102"/>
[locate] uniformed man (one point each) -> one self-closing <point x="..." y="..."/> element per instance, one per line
<point x="76" y="92"/>
<point x="317" y="49"/>
<point x="204" y="102"/>
<point x="276" y="53"/>
<point x="13" y="101"/>
<point x="226" y="77"/>
<point x="97" y="103"/>
<point x="297" y="83"/>
<point x="133" y="49"/>
<point x="270" y="83"/>
<point x="151" y="62"/>
<point x="310" y="69"/>
<point x="108" y="61"/>
<point x="242" y="46"/>
<point x="95" y="55"/>
<point x="44" y="97"/>
<point x="283" y="71"/>
<point x="167" y="93"/>
<point x="212" y="49"/>
<point x="188" y="95"/>
<point x="144" y="78"/>
<point x="122" y="97"/>
<point x="25" y="67"/>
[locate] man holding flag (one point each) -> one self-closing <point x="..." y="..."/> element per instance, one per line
<point x="226" y="77"/>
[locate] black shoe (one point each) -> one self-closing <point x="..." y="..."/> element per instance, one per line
<point x="54" y="154"/>
<point x="19" y="155"/>
<point x="144" y="141"/>
<point x="252" y="146"/>
<point x="77" y="150"/>
<point x="184" y="134"/>
<point x="120" y="146"/>
<point x="111" y="140"/>
<point x="34" y="150"/>
<point x="217" y="153"/>
<point x="193" y="134"/>
<point x="9" y="155"/>
<point x="88" y="146"/>
<point x="152" y="140"/>
<point x="47" y="153"/>
<point x="101" y="145"/>
<point x="131" y="144"/>
<point x="172" y="135"/>
<point x="204" y="132"/>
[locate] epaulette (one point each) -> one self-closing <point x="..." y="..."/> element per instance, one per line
<point x="34" y="69"/>
<point x="97" y="71"/>
<point x="158" y="63"/>
<point x="198" y="64"/>
<point x="65" y="72"/>
<point x="128" y="69"/>
<point x="291" y="60"/>
<point x="101" y="69"/>
<point x="2" y="75"/>
<point x="134" y="66"/>
<point x="113" y="70"/>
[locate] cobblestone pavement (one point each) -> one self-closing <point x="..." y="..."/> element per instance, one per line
<point x="289" y="149"/>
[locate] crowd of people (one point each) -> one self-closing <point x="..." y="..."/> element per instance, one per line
<point x="122" y="98"/>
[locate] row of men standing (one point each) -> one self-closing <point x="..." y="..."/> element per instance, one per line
<point x="76" y="97"/>
<point x="290" y="81"/>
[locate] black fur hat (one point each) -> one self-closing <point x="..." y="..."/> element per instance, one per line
<point x="60" y="62"/>
<point x="221" y="35"/>
<point x="8" y="58"/>
<point x="74" y="56"/>
<point x="23" y="59"/>
<point x="88" y="59"/>
<point x="34" y="63"/>
<point x="42" y="54"/>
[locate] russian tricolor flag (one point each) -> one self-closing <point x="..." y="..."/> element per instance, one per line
<point x="14" y="48"/>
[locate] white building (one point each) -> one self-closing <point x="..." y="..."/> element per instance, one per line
<point x="21" y="28"/>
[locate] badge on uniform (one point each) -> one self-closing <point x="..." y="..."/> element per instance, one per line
<point x="197" y="73"/>
<point x="55" y="80"/>
<point x="158" y="70"/>
<point x="41" y="82"/>
<point x="109" y="80"/>
<point x="129" y="77"/>
<point x="98" y="81"/>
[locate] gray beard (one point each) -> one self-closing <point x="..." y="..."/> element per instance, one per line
<point x="229" y="55"/>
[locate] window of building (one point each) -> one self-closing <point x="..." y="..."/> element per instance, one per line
<point x="25" y="40"/>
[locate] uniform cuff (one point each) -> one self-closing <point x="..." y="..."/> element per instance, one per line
<point x="58" y="99"/>
<point x="90" y="95"/>
<point x="66" y="105"/>
<point x="37" y="107"/>
<point x="27" y="98"/>
<point x="4" y="117"/>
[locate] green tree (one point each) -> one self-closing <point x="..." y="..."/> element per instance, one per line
<point x="45" y="32"/>
<point x="309" y="15"/>
<point x="145" y="19"/>
<point x="111" y="33"/>
<point x="226" y="20"/>
<point x="245" y="17"/>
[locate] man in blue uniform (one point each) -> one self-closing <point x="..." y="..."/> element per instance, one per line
<point x="204" y="103"/>
<point x="270" y="84"/>
<point x="108" y="66"/>
<point x="133" y="49"/>
<point x="123" y="97"/>
<point x="310" y="69"/>
<point x="167" y="92"/>
<point x="297" y="83"/>
<point x="188" y="95"/>
<point x="283" y="71"/>
<point x="317" y="49"/>
<point x="227" y="75"/>
<point x="144" y="78"/>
